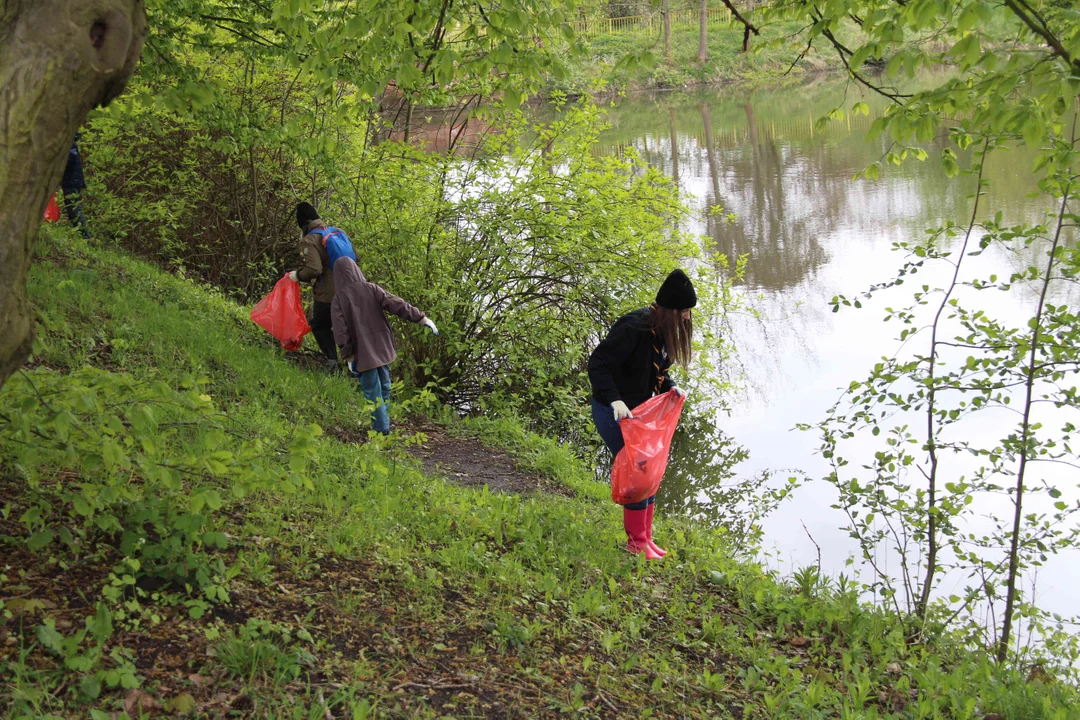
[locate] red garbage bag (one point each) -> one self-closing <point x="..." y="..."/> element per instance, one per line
<point x="639" y="466"/>
<point x="281" y="313"/>
<point x="52" y="210"/>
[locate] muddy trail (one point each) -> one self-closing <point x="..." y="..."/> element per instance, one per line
<point x="466" y="461"/>
<point x="458" y="458"/>
<point x="461" y="459"/>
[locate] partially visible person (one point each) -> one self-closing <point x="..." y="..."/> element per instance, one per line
<point x="321" y="245"/>
<point x="363" y="334"/>
<point x="72" y="185"/>
<point x="628" y="367"/>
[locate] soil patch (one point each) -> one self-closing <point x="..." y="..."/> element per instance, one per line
<point x="467" y="461"/>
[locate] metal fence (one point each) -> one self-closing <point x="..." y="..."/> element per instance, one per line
<point x="649" y="24"/>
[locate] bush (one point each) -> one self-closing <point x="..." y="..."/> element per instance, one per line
<point x="143" y="464"/>
<point x="523" y="254"/>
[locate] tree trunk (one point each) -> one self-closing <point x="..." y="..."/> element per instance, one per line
<point x="674" y="147"/>
<point x="703" y="32"/>
<point x="59" y="59"/>
<point x="667" y="30"/>
<point x="714" y="165"/>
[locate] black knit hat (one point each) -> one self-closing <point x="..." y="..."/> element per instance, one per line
<point x="305" y="213"/>
<point x="677" y="292"/>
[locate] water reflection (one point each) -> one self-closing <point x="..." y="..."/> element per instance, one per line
<point x="810" y="233"/>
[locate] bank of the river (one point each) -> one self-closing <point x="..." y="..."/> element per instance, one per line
<point x="601" y="67"/>
<point x="384" y="591"/>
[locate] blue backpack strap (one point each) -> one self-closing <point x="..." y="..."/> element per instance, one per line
<point x="327" y="233"/>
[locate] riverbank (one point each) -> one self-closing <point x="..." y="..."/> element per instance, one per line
<point x="602" y="68"/>
<point x="379" y="588"/>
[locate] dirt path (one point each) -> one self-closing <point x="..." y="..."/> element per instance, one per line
<point x="466" y="461"/>
<point x="463" y="460"/>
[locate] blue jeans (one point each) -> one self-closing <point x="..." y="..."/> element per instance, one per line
<point x="603" y="418"/>
<point x="375" y="384"/>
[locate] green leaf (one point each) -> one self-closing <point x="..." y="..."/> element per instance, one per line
<point x="82" y="507"/>
<point x="968" y="18"/>
<point x="50" y="638"/>
<point x="948" y="163"/>
<point x="212" y="498"/>
<point x="39" y="540"/>
<point x="860" y="56"/>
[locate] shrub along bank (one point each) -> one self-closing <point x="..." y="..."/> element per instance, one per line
<point x="179" y="536"/>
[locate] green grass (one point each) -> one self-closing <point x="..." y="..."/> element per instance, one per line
<point x="381" y="592"/>
<point x="772" y="55"/>
<point x="725" y="61"/>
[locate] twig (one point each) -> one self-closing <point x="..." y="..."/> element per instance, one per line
<point x="327" y="715"/>
<point x="601" y="698"/>
<point x="432" y="686"/>
<point x="815" y="544"/>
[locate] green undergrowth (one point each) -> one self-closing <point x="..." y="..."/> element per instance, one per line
<point x="183" y="541"/>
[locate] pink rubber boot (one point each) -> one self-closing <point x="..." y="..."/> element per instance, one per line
<point x="648" y="531"/>
<point x="637" y="540"/>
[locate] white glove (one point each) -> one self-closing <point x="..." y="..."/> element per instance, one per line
<point x="678" y="391"/>
<point x="621" y="411"/>
<point x="426" y="322"/>
<point x="293" y="276"/>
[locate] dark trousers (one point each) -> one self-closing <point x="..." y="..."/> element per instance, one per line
<point x="322" y="327"/>
<point x="75" y="214"/>
<point x="604" y="419"/>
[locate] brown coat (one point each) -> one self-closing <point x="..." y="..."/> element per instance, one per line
<point x="316" y="263"/>
<point x="359" y="314"/>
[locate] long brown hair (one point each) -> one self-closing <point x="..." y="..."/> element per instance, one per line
<point x="676" y="332"/>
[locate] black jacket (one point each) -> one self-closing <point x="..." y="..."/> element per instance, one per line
<point x="73" y="180"/>
<point x="622" y="365"/>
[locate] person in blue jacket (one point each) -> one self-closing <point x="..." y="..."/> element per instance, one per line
<point x="72" y="185"/>
<point x="628" y="367"/>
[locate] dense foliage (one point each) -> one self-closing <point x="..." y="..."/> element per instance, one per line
<point x="524" y="251"/>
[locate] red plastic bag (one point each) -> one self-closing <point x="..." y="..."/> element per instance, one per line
<point x="639" y="466"/>
<point x="281" y="313"/>
<point x="52" y="210"/>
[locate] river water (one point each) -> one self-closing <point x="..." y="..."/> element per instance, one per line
<point x="811" y="232"/>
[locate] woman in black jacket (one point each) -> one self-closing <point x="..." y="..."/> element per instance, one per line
<point x="628" y="367"/>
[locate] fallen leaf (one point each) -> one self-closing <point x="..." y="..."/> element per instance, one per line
<point x="799" y="642"/>
<point x="196" y="679"/>
<point x="19" y="606"/>
<point x="181" y="704"/>
<point x="137" y="702"/>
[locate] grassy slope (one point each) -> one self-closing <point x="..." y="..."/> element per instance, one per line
<point x="386" y="593"/>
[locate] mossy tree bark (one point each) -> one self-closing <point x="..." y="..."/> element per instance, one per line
<point x="59" y="59"/>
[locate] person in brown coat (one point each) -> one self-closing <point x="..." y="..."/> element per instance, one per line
<point x="317" y="268"/>
<point x="363" y="334"/>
